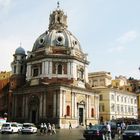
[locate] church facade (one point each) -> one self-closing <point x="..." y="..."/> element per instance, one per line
<point x="50" y="83"/>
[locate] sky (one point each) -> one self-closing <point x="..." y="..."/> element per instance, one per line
<point x="108" y="31"/>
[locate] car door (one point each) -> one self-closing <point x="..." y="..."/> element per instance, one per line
<point x="14" y="127"/>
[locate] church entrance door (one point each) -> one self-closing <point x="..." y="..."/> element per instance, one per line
<point x="80" y="116"/>
<point x="33" y="116"/>
<point x="33" y="109"/>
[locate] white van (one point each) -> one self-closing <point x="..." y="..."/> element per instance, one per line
<point x="9" y="128"/>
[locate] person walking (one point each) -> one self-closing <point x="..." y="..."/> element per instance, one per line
<point x="44" y="128"/>
<point x="119" y="131"/>
<point x="41" y="128"/>
<point x="108" y="135"/>
<point x="53" y="129"/>
<point x="70" y="126"/>
<point x="49" y="128"/>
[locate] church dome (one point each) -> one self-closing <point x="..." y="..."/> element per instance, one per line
<point x="57" y="38"/>
<point x="20" y="50"/>
<point x="57" y="35"/>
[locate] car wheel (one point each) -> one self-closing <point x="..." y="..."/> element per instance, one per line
<point x="12" y="132"/>
<point x="22" y="132"/>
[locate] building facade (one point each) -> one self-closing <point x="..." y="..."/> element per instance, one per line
<point x="4" y="90"/>
<point x="115" y="102"/>
<point x="50" y="83"/>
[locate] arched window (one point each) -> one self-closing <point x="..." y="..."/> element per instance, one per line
<point x="68" y="110"/>
<point x="92" y="112"/>
<point x="59" y="70"/>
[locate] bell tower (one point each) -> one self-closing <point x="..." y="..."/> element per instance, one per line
<point x="18" y="68"/>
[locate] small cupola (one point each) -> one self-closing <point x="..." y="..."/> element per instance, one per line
<point x="58" y="20"/>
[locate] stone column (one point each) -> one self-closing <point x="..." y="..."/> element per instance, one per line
<point x="50" y="69"/>
<point x="40" y="107"/>
<point x="72" y="104"/>
<point x="69" y="70"/>
<point x="43" y="68"/>
<point x="75" y="105"/>
<point x="54" y="105"/>
<point x="46" y="68"/>
<point x="87" y="106"/>
<point x="61" y="104"/>
<point x="26" y="107"/>
<point x="29" y="73"/>
<point x="64" y="103"/>
<point x="44" y="105"/>
<point x="58" y="104"/>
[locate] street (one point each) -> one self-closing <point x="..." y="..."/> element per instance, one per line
<point x="62" y="134"/>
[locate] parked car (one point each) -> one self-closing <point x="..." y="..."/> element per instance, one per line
<point x="95" y="132"/>
<point x="9" y="128"/>
<point x="98" y="132"/>
<point x="28" y="128"/>
<point x="132" y="132"/>
<point x="20" y="125"/>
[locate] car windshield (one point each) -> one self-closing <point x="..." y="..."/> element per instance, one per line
<point x="6" y="125"/>
<point x="96" y="127"/>
<point x="27" y="125"/>
<point x="133" y="127"/>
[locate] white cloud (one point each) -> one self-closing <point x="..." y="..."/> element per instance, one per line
<point x="120" y="45"/>
<point x="4" y="4"/>
<point x="116" y="49"/>
<point x="127" y="37"/>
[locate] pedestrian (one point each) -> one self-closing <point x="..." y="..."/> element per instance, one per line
<point x="53" y="129"/>
<point x="44" y="128"/>
<point x="41" y="128"/>
<point x="70" y="126"/>
<point x="90" y="125"/>
<point x="49" y="128"/>
<point x="123" y="126"/>
<point x="119" y="131"/>
<point x="108" y="136"/>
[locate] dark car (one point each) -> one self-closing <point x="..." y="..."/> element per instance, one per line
<point x="132" y="132"/>
<point x="95" y="132"/>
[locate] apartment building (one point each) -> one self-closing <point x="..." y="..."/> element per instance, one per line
<point x="115" y="102"/>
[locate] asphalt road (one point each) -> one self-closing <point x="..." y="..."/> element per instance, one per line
<point x="62" y="134"/>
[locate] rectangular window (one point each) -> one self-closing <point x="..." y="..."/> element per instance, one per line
<point x="101" y="108"/>
<point x="14" y="69"/>
<point x="35" y="72"/>
<point x="101" y="97"/>
<point x="112" y="97"/>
